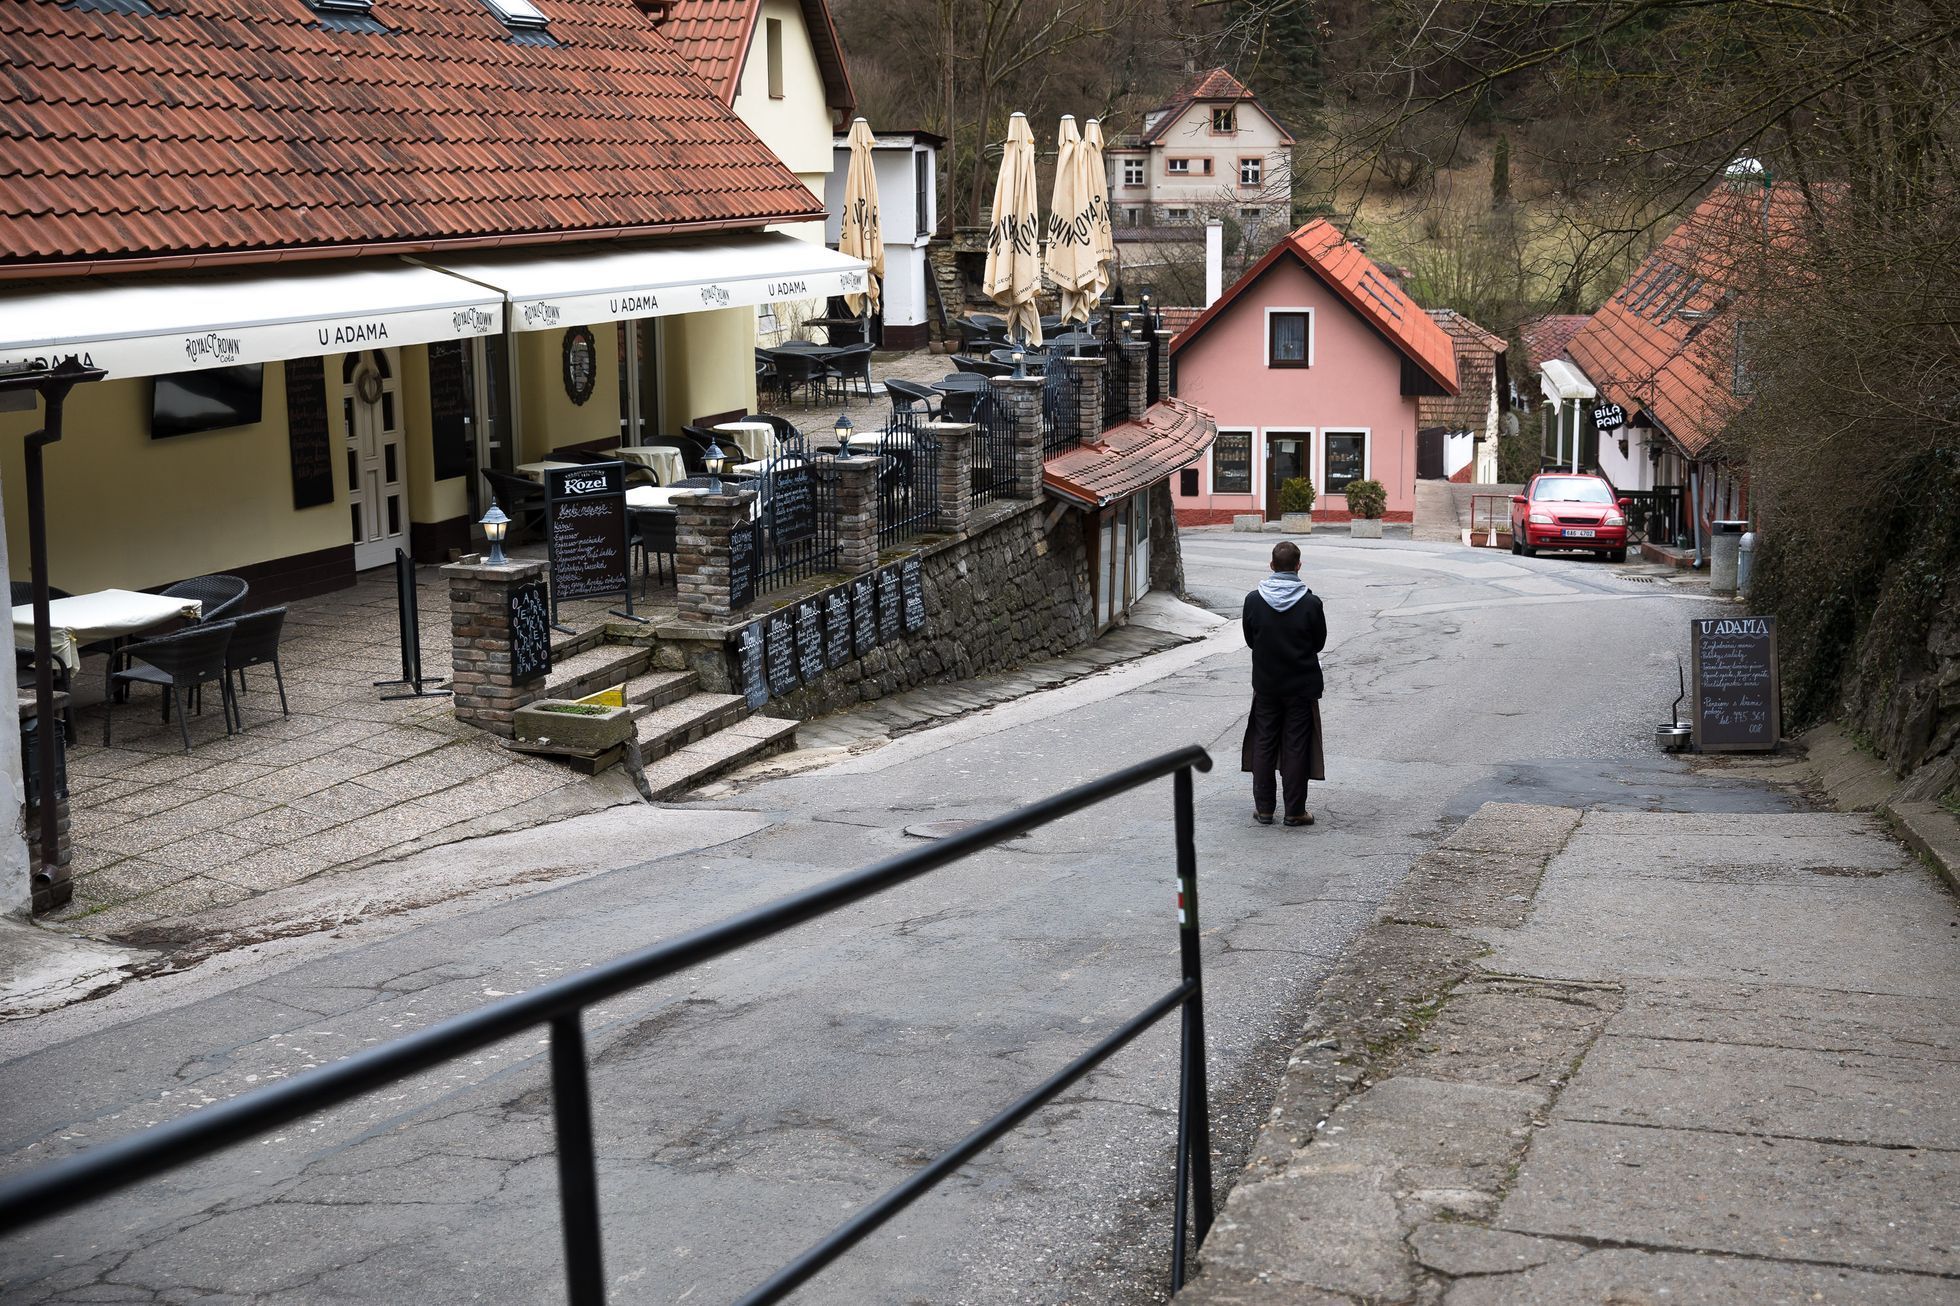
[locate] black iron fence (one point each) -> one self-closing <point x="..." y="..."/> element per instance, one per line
<point x="993" y="454"/>
<point x="796" y="516"/>
<point x="908" y="476"/>
<point x="1057" y="407"/>
<point x="1655" y="516"/>
<point x="111" y="1167"/>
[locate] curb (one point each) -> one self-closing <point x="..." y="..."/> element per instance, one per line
<point x="1932" y="832"/>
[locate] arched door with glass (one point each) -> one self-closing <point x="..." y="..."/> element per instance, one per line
<point x="371" y="423"/>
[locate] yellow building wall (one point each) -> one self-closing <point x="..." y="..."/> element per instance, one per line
<point x="707" y="365"/>
<point x="547" y="417"/>
<point x="129" y="512"/>
<point x="429" y="500"/>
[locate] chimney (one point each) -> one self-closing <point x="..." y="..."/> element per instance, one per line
<point x="1214" y="261"/>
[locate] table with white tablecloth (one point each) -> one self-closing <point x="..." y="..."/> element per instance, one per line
<point x="105" y="614"/>
<point x="756" y="439"/>
<point x="536" y="471"/>
<point x="663" y="460"/>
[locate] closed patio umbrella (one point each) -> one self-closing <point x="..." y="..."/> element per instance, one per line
<point x="1013" y="272"/>
<point x="857" y="233"/>
<point x="1072" y="216"/>
<point x="1098" y="171"/>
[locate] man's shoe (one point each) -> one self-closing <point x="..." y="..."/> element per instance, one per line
<point x="1298" y="820"/>
<point x="1264" y="818"/>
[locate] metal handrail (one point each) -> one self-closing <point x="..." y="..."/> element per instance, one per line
<point x="61" y="1185"/>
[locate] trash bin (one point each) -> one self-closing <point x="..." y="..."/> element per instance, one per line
<point x="1745" y="561"/>
<point x="1724" y="555"/>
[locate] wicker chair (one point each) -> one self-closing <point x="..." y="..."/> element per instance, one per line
<point x="187" y="660"/>
<point x="981" y="366"/>
<point x="521" y="498"/>
<point x="848" y="374"/>
<point x="909" y="398"/>
<point x="655" y="535"/>
<point x="255" y="643"/>
<point x="219" y="593"/>
<point x="794" y="370"/>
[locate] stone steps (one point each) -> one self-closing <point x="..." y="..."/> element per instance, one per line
<point x="663" y="731"/>
<point x="597" y="668"/>
<point x="656" y="689"/>
<point x="735" y="745"/>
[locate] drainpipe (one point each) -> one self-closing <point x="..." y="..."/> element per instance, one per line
<point x="1694" y="510"/>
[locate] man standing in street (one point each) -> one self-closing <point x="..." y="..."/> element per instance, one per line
<point x="1285" y="629"/>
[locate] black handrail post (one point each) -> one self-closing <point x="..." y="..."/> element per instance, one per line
<point x="578" y="1180"/>
<point x="1194" y="1098"/>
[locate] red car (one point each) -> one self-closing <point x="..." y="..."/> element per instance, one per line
<point x="1569" y="510"/>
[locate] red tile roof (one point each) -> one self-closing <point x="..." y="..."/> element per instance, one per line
<point x="245" y="127"/>
<point x="1132" y="455"/>
<point x="715" y="37"/>
<point x="1214" y="86"/>
<point x="1665" y="342"/>
<point x="1546" y="338"/>
<point x="1476" y="373"/>
<point x="1322" y="250"/>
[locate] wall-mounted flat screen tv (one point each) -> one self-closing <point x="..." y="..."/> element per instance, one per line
<point x="207" y="400"/>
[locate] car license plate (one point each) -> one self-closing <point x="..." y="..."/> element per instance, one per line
<point x="1571" y="534"/>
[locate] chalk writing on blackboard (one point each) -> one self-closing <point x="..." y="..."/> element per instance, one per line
<point x="449" y="408"/>
<point x="742" y="557"/>
<point x="837" y="628"/>
<point x="755" y="679"/>
<point x="912" y="586"/>
<point x="585" y="509"/>
<point x="782" y="654"/>
<point x="793" y="502"/>
<point x="307" y="433"/>
<point x="890" y="619"/>
<point x="809" y="641"/>
<point x="864" y="615"/>
<point x="530" y="632"/>
<point x="1736" y="706"/>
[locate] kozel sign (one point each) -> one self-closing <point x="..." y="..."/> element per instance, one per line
<point x="585" y="484"/>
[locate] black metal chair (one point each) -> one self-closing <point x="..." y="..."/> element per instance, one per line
<point x="981" y="366"/>
<point x="961" y="405"/>
<point x="781" y="427"/>
<point x="848" y="374"/>
<point x="521" y="498"/>
<point x="218" y="593"/>
<point x="255" y="643"/>
<point x="795" y="370"/>
<point x="189" y="660"/>
<point x="655" y="535"/>
<point x="909" y="398"/>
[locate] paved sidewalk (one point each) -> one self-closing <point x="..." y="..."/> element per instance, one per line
<point x="1708" y="1059"/>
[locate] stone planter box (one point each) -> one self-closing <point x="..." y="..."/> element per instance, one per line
<point x="1248" y="521"/>
<point x="584" y="732"/>
<point x="1296" y="523"/>
<point x="1365" y="528"/>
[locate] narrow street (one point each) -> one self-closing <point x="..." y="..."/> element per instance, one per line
<point x="745" y="1109"/>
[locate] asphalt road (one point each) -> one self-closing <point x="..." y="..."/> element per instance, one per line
<point x="746" y="1107"/>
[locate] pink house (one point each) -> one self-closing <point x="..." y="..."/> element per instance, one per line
<point x="1312" y="363"/>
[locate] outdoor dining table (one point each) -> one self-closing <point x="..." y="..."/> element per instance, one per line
<point x="537" y="470"/>
<point x="663" y="460"/>
<point x="658" y="496"/>
<point x="757" y="439"/>
<point x="961" y="381"/>
<point x="105" y="614"/>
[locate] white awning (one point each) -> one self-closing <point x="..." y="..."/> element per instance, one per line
<point x="579" y="285"/>
<point x="148" y="326"/>
<point x="1560" y="381"/>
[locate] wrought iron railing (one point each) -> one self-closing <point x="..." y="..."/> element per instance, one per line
<point x="1655" y="516"/>
<point x="796" y="516"/>
<point x="908" y="476"/>
<point x="993" y="454"/>
<point x="115" y="1166"/>
<point x="1057" y="407"/>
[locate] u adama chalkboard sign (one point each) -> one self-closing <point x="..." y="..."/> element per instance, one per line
<point x="782" y="654"/>
<point x="890" y="620"/>
<point x="911" y="584"/>
<point x="864" y="615"/>
<point x="1737" y="707"/>
<point x="809" y="641"/>
<point x="308" y="432"/>
<point x="837" y="628"/>
<point x="585" y="515"/>
<point x="530" y="632"/>
<point x="755" y="679"/>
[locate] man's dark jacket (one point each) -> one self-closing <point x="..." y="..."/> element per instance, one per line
<point x="1285" y="646"/>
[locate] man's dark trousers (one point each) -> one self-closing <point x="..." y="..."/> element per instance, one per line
<point x="1282" y="738"/>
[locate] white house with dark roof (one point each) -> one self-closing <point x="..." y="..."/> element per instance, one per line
<point x="1211" y="150"/>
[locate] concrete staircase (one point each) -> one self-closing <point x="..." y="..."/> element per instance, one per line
<point x="686" y="736"/>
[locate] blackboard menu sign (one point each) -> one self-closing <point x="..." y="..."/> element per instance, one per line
<point x="1231" y="463"/>
<point x="1347" y="458"/>
<point x="864" y="615"/>
<point x="308" y="433"/>
<point x="911" y="584"/>
<point x="449" y="408"/>
<point x="530" y="632"/>
<point x="1736" y="689"/>
<point x="889" y="617"/>
<point x="809" y="641"/>
<point x="742" y="562"/>
<point x="782" y="654"/>
<point x="793" y="501"/>
<point x="755" y="681"/>
<point x="837" y="628"/>
<point x="585" y="512"/>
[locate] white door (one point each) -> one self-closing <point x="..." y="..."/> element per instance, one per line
<point x="371" y="421"/>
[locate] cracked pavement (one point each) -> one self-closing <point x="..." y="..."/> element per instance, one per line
<point x="745" y="1107"/>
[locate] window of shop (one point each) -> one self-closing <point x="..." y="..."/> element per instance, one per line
<point x="1231" y="463"/>
<point x="1289" y="337"/>
<point x="1344" y="459"/>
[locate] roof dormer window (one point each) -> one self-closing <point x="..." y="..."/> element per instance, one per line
<point x="525" y="20"/>
<point x="348" y="16"/>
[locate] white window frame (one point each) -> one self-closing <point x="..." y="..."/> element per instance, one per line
<point x="1266" y="335"/>
<point x="1177" y="167"/>
<point x="1259" y="172"/>
<point x="1132" y="217"/>
<point x="1255" y="463"/>
<point x="1367" y="435"/>
<point x="1133" y="172"/>
<point x="1231" y="127"/>
<point x="1177" y="214"/>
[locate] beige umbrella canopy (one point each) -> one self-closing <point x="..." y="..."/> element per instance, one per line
<point x="1072" y="215"/>
<point x="1013" y="273"/>
<point x="857" y="233"/>
<point x="1092" y="150"/>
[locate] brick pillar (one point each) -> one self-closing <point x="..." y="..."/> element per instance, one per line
<point x="857" y="511"/>
<point x="1018" y="398"/>
<point x="1161" y="343"/>
<point x="479" y="642"/>
<point x="1086" y="399"/>
<point x="955" y="489"/>
<point x="701" y="552"/>
<point x="1136" y="377"/>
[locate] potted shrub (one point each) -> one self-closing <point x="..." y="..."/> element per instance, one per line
<point x="1296" y="506"/>
<point x="1367" y="501"/>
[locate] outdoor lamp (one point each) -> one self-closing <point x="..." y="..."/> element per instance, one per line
<point x="495" y="526"/>
<point x="844" y="429"/>
<point x="716" y="462"/>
